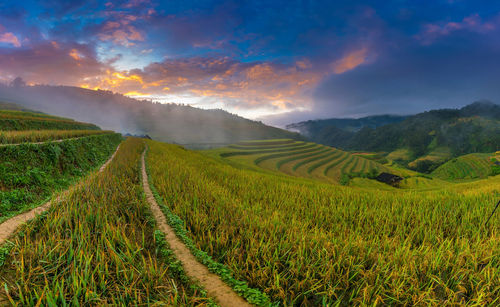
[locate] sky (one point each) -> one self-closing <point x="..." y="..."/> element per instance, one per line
<point x="276" y="61"/>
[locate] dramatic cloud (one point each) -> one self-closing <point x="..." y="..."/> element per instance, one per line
<point x="9" y="38"/>
<point x="51" y="63"/>
<point x="259" y="59"/>
<point x="242" y="85"/>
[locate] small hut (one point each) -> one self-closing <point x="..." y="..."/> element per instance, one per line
<point x="390" y="179"/>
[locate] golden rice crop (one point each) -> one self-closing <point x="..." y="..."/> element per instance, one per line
<point x="98" y="246"/>
<point x="306" y="242"/>
<point x="15" y="137"/>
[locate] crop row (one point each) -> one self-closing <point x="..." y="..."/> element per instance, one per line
<point x="99" y="246"/>
<point x="265" y="151"/>
<point x="30" y="173"/>
<point x="464" y="167"/>
<point x="309" y="243"/>
<point x="9" y="124"/>
<point x="24" y="136"/>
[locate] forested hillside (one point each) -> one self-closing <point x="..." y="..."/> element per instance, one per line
<point x="474" y="128"/>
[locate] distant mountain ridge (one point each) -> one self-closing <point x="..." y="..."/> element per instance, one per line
<point x="473" y="128"/>
<point x="164" y="122"/>
<point x="312" y="127"/>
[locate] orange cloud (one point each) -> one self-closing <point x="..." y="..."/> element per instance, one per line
<point x="74" y="54"/>
<point x="9" y="38"/>
<point x="350" y="61"/>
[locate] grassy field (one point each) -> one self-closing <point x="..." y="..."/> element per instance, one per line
<point x="306" y="242"/>
<point x="99" y="246"/>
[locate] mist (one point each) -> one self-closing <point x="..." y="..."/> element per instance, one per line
<point x="164" y="122"/>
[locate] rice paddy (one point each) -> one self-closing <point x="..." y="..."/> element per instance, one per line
<point x="269" y="217"/>
<point x="469" y="166"/>
<point x="302" y="159"/>
<point x="303" y="242"/>
<point x="31" y="136"/>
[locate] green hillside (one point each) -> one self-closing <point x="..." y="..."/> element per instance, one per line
<point x="428" y="139"/>
<point x="11" y="120"/>
<point x="35" y="163"/>
<point x="303" y="159"/>
<point x="469" y="166"/>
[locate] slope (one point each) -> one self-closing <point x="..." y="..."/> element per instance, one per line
<point x="473" y="128"/>
<point x="469" y="166"/>
<point x="165" y="122"/>
<point x="302" y="159"/>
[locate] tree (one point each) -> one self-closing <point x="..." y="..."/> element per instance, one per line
<point x="18" y="82"/>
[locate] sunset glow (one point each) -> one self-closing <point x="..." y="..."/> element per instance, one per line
<point x="285" y="61"/>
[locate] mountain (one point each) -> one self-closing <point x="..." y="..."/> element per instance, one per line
<point x="164" y="122"/>
<point x="312" y="128"/>
<point x="473" y="128"/>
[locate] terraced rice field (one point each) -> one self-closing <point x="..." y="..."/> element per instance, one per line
<point x="301" y="159"/>
<point x="469" y="166"/>
<point x="31" y="136"/>
<point x="308" y="243"/>
<point x="438" y="155"/>
<point x="19" y="120"/>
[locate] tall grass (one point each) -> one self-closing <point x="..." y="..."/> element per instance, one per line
<point x="98" y="247"/>
<point x="30" y="173"/>
<point x="305" y="242"/>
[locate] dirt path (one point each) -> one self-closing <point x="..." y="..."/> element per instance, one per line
<point x="8" y="227"/>
<point x="215" y="287"/>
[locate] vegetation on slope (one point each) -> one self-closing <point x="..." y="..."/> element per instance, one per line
<point x="29" y="173"/>
<point x="474" y="128"/>
<point x="32" y="136"/>
<point x="304" y="242"/>
<point x="302" y="159"/>
<point x="19" y="121"/>
<point x="98" y="247"/>
<point x="164" y="122"/>
<point x="469" y="166"/>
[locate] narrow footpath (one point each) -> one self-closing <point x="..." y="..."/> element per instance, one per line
<point x="215" y="287"/>
<point x="8" y="227"/>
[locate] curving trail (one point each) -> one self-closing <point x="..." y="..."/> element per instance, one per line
<point x="8" y="227"/>
<point x="215" y="287"/>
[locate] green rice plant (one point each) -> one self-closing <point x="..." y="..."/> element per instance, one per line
<point x="335" y="155"/>
<point x="266" y="151"/>
<point x="263" y="158"/>
<point x="465" y="167"/>
<point x="298" y="157"/>
<point x="259" y="147"/>
<point x="30" y="173"/>
<point x="313" y="159"/>
<point x="334" y="164"/>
